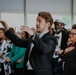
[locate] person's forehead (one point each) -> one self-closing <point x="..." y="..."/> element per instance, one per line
<point x="39" y="17"/>
<point x="57" y="24"/>
<point x="73" y="30"/>
<point x="1" y="31"/>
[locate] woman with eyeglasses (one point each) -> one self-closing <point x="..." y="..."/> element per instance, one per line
<point x="69" y="54"/>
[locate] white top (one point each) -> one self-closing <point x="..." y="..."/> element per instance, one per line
<point x="58" y="45"/>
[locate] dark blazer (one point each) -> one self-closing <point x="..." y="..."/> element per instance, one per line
<point x="65" y="36"/>
<point x="42" y="51"/>
<point x="70" y="62"/>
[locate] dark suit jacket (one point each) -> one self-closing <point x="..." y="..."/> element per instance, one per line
<point x="41" y="54"/>
<point x="65" y="36"/>
<point x="70" y="62"/>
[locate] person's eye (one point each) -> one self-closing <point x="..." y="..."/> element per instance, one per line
<point x="39" y="21"/>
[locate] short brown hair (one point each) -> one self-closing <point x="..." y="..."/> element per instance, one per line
<point x="74" y="26"/>
<point x="47" y="16"/>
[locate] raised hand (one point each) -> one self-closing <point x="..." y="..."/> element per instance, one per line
<point x="7" y="59"/>
<point x="66" y="50"/>
<point x="4" y="25"/>
<point x="69" y="49"/>
<point x="27" y="29"/>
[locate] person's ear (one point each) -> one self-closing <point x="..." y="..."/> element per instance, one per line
<point x="48" y="24"/>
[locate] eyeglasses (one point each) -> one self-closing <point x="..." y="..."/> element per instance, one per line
<point x="71" y="33"/>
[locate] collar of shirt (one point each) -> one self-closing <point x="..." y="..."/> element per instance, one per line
<point x="41" y="34"/>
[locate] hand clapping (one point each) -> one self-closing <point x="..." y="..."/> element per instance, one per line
<point x="4" y="25"/>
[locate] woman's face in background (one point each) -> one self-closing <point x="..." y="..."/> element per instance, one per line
<point x="23" y="35"/>
<point x="2" y="36"/>
<point x="72" y="35"/>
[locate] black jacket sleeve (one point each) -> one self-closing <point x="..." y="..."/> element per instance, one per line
<point x="15" y="39"/>
<point x="45" y="46"/>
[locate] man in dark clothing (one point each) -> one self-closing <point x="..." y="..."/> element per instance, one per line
<point x="62" y="35"/>
<point x="65" y="36"/>
<point x="40" y="48"/>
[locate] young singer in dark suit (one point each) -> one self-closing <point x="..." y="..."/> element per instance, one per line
<point x="40" y="49"/>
